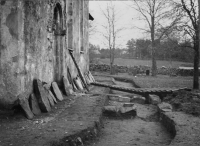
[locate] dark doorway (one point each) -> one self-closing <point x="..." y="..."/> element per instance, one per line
<point x="58" y="43"/>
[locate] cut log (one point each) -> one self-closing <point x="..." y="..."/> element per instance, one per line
<point x="42" y="96"/>
<point x="23" y="102"/>
<point x="34" y="105"/>
<point x="57" y="91"/>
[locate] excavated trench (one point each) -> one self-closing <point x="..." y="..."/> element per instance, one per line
<point x="142" y="130"/>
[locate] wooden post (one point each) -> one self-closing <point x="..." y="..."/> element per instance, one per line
<point x="79" y="71"/>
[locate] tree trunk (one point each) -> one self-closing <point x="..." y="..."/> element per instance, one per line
<point x="154" y="66"/>
<point x="196" y="55"/>
<point x="112" y="61"/>
<point x="196" y="64"/>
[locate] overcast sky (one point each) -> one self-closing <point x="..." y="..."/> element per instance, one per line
<point x="127" y="17"/>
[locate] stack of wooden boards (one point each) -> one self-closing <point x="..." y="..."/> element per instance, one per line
<point x="46" y="95"/>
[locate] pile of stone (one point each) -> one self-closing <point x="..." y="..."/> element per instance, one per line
<point x="185" y="72"/>
<point x="120" y="106"/>
<point x="46" y="95"/>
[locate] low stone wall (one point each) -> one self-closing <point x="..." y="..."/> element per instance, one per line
<point x="119" y="69"/>
<point x="141" y="70"/>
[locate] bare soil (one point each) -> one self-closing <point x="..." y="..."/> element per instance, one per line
<point x="69" y="117"/>
<point x="185" y="101"/>
<point x="142" y="130"/>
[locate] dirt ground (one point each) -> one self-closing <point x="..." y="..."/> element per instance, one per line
<point x="188" y="102"/>
<point x="72" y="115"/>
<point x="143" y="130"/>
<point x="146" y="130"/>
<point x="78" y="112"/>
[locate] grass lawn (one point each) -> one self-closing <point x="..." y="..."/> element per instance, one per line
<point x="160" y="81"/>
<point x="163" y="81"/>
<point x="133" y="62"/>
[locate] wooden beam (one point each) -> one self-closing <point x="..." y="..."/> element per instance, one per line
<point x="79" y="71"/>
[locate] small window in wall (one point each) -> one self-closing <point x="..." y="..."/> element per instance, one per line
<point x="81" y="26"/>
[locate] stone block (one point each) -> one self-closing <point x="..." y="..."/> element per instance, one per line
<point x="67" y="87"/>
<point x="128" y="104"/>
<point x="51" y="100"/>
<point x="57" y="91"/>
<point x="115" y="103"/>
<point x="24" y="103"/>
<point x="114" y="98"/>
<point x="110" y="110"/>
<point x="78" y="83"/>
<point x="54" y="99"/>
<point x="42" y="96"/>
<point x="154" y="99"/>
<point x="74" y="86"/>
<point x="124" y="99"/>
<point x="138" y="99"/>
<point x="34" y="105"/>
<point x="128" y="111"/>
<point x="120" y="110"/>
<point x="165" y="107"/>
<point x="47" y="86"/>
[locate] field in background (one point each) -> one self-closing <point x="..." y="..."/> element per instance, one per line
<point x="134" y="62"/>
<point x="160" y="81"/>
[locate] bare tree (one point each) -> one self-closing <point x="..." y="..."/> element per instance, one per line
<point x="155" y="13"/>
<point x="199" y="38"/>
<point x="190" y="26"/>
<point x="112" y="31"/>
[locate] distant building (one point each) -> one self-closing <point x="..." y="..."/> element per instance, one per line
<point x="35" y="38"/>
